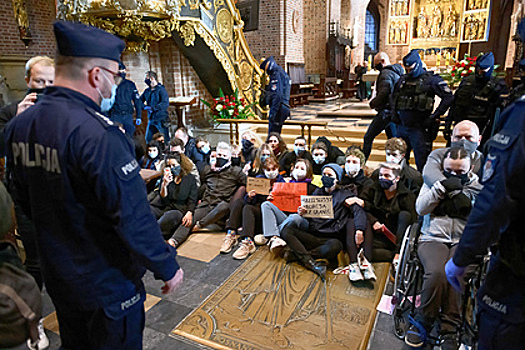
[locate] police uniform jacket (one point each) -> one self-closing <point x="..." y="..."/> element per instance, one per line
<point x="432" y="85"/>
<point x="126" y="97"/>
<point x="77" y="178"/>
<point x="277" y="92"/>
<point x="497" y="216"/>
<point x="157" y="98"/>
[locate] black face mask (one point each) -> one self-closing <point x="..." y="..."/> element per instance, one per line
<point x="246" y="144"/>
<point x="378" y="66"/>
<point x="220" y="162"/>
<point x="327" y="181"/>
<point x="236" y="161"/>
<point x="148" y="82"/>
<point x="386" y="183"/>
<point x="38" y="91"/>
<point x="462" y="177"/>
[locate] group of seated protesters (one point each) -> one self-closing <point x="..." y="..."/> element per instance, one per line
<point x="201" y="188"/>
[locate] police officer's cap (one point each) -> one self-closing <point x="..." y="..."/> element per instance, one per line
<point x="411" y="58"/>
<point x="80" y="40"/>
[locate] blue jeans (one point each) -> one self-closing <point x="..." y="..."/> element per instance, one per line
<point x="274" y="220"/>
<point x="415" y="139"/>
<point x="161" y="126"/>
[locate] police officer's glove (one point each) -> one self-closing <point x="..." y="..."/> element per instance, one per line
<point x="454" y="275"/>
<point x="138" y="121"/>
<point x="148" y="109"/>
<point x="452" y="184"/>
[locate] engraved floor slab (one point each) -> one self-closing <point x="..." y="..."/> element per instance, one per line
<point x="202" y="246"/>
<point x="267" y="304"/>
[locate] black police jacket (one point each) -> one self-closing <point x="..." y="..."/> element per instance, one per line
<point x="77" y="178"/>
<point x="157" y="98"/>
<point x="126" y="98"/>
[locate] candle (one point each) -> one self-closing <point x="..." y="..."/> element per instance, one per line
<point x="369" y="61"/>
<point x="438" y="59"/>
<point x="447" y="61"/>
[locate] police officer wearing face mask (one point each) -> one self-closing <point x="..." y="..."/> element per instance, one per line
<point x="478" y="98"/>
<point x="497" y="218"/>
<point x="156" y="101"/>
<point x="413" y="102"/>
<point x="77" y="177"/>
<point x="276" y="95"/>
<point x="120" y="105"/>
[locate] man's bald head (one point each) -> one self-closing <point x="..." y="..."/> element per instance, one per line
<point x="381" y="57"/>
<point x="466" y="130"/>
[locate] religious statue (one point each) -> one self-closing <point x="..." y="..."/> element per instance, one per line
<point x="466" y="29"/>
<point x="393" y="8"/>
<point x="397" y="38"/>
<point x="405" y="8"/>
<point x="481" y="29"/>
<point x="391" y="33"/>
<point x="435" y="22"/>
<point x="449" y="25"/>
<point x="397" y="6"/>
<point x="422" y="24"/>
<point x="403" y="33"/>
<point x="472" y="28"/>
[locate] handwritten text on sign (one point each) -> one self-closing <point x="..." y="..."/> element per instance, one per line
<point x="259" y="184"/>
<point x="318" y="207"/>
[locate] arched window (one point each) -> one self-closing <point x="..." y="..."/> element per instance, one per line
<point x="370" y="31"/>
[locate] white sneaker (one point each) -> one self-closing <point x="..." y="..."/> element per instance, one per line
<point x="260" y="240"/>
<point x="366" y="267"/>
<point x="245" y="249"/>
<point x="43" y="342"/>
<point x="228" y="243"/>
<point x="277" y="245"/>
<point x="354" y="272"/>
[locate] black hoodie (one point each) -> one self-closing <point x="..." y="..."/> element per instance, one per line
<point x="386" y="81"/>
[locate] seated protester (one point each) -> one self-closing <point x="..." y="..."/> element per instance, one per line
<point x="250" y="143"/>
<point x="395" y="149"/>
<point x="255" y="168"/>
<point x="299" y="152"/>
<point x="334" y="154"/>
<point x="236" y="156"/>
<point x="390" y="209"/>
<point x="202" y="155"/>
<point x="153" y="159"/>
<point x="315" y="238"/>
<point x="189" y="144"/>
<point x="159" y="137"/>
<point x="245" y="216"/>
<point x="320" y="157"/>
<point x="277" y="144"/>
<point x="465" y="134"/>
<point x="354" y="173"/>
<point x="173" y="202"/>
<point x="177" y="146"/>
<point x="222" y="181"/>
<point x="446" y="206"/>
<point x="273" y="218"/>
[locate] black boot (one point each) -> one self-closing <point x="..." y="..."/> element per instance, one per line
<point x="316" y="267"/>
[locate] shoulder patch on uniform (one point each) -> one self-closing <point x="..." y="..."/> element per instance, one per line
<point x="126" y="170"/>
<point x="502" y="140"/>
<point x="105" y="121"/>
<point x="488" y="169"/>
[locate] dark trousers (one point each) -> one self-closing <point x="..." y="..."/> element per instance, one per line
<point x="496" y="334"/>
<point x="246" y="218"/>
<point x="416" y="138"/>
<point x="375" y="128"/>
<point x="351" y="247"/>
<point x="205" y="216"/>
<point x="126" y="121"/>
<point x="383" y="248"/>
<point x="308" y="246"/>
<point x="26" y="230"/>
<point x="169" y="222"/>
<point x="94" y="330"/>
<point x="276" y="121"/>
<point x="438" y="298"/>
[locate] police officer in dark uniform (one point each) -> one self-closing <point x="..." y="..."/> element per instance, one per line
<point x="479" y="98"/>
<point x="156" y="101"/>
<point x="413" y="103"/>
<point x="77" y="178"/>
<point x="497" y="217"/>
<point x="276" y="95"/>
<point x="126" y="97"/>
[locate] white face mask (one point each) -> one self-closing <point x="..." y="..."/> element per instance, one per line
<point x="107" y="103"/>
<point x="271" y="174"/>
<point x="393" y="159"/>
<point x="299" y="174"/>
<point x="153" y="154"/>
<point x="352" y="169"/>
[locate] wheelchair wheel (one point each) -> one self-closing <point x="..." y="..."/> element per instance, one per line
<point x="406" y="285"/>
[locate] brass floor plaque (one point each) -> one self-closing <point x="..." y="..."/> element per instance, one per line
<point x="267" y="304"/>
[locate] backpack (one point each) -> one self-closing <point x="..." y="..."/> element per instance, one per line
<point x="20" y="300"/>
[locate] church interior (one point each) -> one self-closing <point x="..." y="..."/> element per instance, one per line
<point x="204" y="49"/>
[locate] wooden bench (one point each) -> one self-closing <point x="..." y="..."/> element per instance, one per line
<point x="234" y="127"/>
<point x="299" y="100"/>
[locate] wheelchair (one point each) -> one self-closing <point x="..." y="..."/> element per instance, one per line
<point x="408" y="285"/>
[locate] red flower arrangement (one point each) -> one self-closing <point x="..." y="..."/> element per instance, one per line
<point x="461" y="69"/>
<point x="230" y="107"/>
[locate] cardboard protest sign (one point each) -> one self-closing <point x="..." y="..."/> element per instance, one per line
<point x="260" y="185"/>
<point x="318" y="207"/>
<point x="287" y="196"/>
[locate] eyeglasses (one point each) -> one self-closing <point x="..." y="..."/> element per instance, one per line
<point x="115" y="74"/>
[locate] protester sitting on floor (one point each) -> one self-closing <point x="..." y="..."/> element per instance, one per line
<point x="173" y="202"/>
<point x="222" y="181"/>
<point x="245" y="216"/>
<point x="153" y="159"/>
<point x="299" y="151"/>
<point x="189" y="144"/>
<point x="354" y="173"/>
<point x="277" y="144"/>
<point x="466" y="135"/>
<point x="177" y="146"/>
<point x="334" y="154"/>
<point x="159" y="137"/>
<point x="446" y="206"/>
<point x="317" y="238"/>
<point x="319" y="155"/>
<point x="236" y="155"/>
<point x="202" y="154"/>
<point x="390" y="208"/>
<point x="273" y="218"/>
<point x="250" y="142"/>
<point x="255" y="168"/>
<point x="395" y="149"/>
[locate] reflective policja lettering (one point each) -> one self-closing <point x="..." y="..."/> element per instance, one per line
<point x="44" y="157"/>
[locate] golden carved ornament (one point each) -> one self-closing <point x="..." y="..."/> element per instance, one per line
<point x="218" y="3"/>
<point x="187" y="32"/>
<point x="224" y="25"/>
<point x="245" y="78"/>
